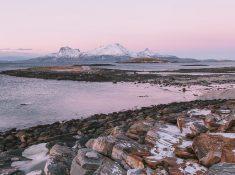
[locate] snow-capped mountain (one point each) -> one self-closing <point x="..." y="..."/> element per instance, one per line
<point x="109" y="53"/>
<point x="111" y="50"/>
<point x="67" y="52"/>
<point x="147" y="54"/>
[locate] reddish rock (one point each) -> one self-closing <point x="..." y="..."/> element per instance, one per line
<point x="212" y="123"/>
<point x="138" y="130"/>
<point x="22" y="136"/>
<point x="134" y="161"/>
<point x="211" y="158"/>
<point x="228" y="153"/>
<point x="103" y="145"/>
<point x="210" y="148"/>
<point x="184" y="153"/>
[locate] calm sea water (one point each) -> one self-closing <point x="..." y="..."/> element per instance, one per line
<point x="27" y="102"/>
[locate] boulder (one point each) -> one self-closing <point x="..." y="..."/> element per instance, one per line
<point x="134" y="161"/>
<point x="163" y="138"/>
<point x="103" y="145"/>
<point x="222" y="169"/>
<point x="140" y="128"/>
<point x="59" y="161"/>
<point x="213" y="122"/>
<point x="84" y="163"/>
<point x="22" y="136"/>
<point x="108" y="166"/>
<point x="129" y="152"/>
<point x="211" y="148"/>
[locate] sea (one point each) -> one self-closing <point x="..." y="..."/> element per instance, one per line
<point x="26" y="102"/>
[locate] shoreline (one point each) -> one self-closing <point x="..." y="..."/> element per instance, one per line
<point x="69" y="133"/>
<point x="96" y="74"/>
<point x="162" y="138"/>
<point x="111" y="117"/>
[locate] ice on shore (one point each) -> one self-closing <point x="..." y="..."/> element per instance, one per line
<point x="198" y="112"/>
<point x="37" y="155"/>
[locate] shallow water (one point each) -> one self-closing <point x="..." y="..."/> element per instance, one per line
<point x="169" y="66"/>
<point x="25" y="102"/>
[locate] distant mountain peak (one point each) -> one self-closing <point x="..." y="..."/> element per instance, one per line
<point x="147" y="53"/>
<point x="67" y="52"/>
<point x="66" y="48"/>
<point x="115" y="49"/>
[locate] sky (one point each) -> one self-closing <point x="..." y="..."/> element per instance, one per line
<point x="186" y="28"/>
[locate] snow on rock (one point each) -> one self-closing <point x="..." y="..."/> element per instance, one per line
<point x="226" y="135"/>
<point x="166" y="137"/>
<point x="67" y="52"/>
<point x="37" y="155"/>
<point x="198" y="112"/>
<point x="193" y="168"/>
<point x="37" y="172"/>
<point x="147" y="54"/>
<point x="111" y="50"/>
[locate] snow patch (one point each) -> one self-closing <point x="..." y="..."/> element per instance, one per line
<point x="198" y="112"/>
<point x="226" y="135"/>
<point x="37" y="155"/>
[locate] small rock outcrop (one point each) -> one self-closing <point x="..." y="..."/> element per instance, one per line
<point x="59" y="161"/>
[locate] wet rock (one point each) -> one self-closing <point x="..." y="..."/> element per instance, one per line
<point x="110" y="167"/>
<point x="222" y="169"/>
<point x="83" y="165"/>
<point x="59" y="162"/>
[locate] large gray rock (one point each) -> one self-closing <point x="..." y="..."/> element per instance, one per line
<point x="110" y="167"/>
<point x="86" y="162"/>
<point x="222" y="169"/>
<point x="60" y="160"/>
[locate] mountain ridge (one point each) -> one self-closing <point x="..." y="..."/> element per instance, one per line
<point x="109" y="53"/>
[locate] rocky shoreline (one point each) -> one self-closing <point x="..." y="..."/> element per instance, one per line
<point x="195" y="137"/>
<point x="97" y="74"/>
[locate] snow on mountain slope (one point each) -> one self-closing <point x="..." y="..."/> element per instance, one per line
<point x="67" y="52"/>
<point x="147" y="54"/>
<point x="111" y="50"/>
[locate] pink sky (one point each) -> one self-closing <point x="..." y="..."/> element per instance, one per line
<point x="188" y="28"/>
